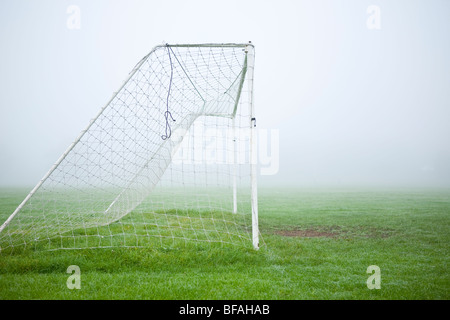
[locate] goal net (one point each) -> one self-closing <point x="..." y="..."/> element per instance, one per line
<point x="169" y="159"/>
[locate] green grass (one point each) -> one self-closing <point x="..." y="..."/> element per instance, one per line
<point x="318" y="245"/>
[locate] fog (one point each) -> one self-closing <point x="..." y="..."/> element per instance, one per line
<point x="357" y="91"/>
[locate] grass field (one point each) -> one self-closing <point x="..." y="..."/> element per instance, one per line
<point x="318" y="245"/>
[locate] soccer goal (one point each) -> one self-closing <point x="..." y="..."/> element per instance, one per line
<point x="171" y="158"/>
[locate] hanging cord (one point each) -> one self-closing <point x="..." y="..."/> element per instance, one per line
<point x="168" y="114"/>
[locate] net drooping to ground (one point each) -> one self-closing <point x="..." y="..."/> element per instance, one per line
<point x="166" y="161"/>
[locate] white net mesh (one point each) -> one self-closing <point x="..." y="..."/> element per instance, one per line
<point x="165" y="161"/>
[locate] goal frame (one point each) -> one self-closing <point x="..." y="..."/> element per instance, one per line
<point x="248" y="76"/>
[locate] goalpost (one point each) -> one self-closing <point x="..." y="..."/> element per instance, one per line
<point x="171" y="158"/>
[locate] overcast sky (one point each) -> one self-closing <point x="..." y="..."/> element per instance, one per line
<point x="359" y="91"/>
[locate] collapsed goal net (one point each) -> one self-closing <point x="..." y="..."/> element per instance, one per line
<point x="169" y="159"/>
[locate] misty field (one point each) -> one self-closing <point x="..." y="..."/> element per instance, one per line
<point x="317" y="244"/>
